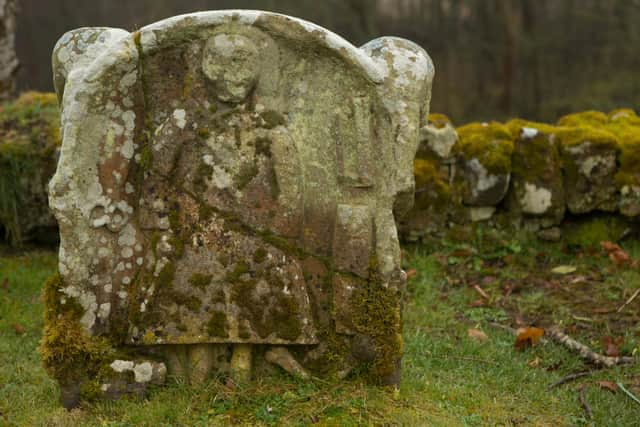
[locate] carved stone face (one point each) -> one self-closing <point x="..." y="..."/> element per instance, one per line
<point x="231" y="62"/>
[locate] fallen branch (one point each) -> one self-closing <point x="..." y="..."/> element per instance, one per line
<point x="585" y="405"/>
<point x="568" y="378"/>
<point x="585" y="352"/>
<point x="628" y="393"/>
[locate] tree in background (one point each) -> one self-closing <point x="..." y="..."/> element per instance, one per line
<point x="8" y="59"/>
<point x="494" y="59"/>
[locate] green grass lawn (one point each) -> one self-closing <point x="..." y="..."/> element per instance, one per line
<point x="448" y="378"/>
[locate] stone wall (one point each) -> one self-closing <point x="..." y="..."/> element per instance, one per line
<point x="29" y="141"/>
<point x="524" y="174"/>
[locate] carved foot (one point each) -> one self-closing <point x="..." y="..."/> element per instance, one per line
<point x="280" y="356"/>
<point x="241" y="363"/>
<point x="201" y="360"/>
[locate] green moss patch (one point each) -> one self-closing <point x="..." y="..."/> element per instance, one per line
<point x="438" y="120"/>
<point x="200" y="281"/>
<point x="490" y="143"/>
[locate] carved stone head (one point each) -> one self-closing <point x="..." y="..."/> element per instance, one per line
<point x="232" y="63"/>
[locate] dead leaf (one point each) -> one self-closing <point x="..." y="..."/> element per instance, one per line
<point x="611" y="346"/>
<point x="563" y="269"/>
<point x="609" y="385"/>
<point x="411" y="273"/>
<point x="477" y="303"/>
<point x="461" y="253"/>
<point x="617" y="255"/>
<point x="18" y="328"/>
<point x="528" y="337"/>
<point x="477" y="335"/>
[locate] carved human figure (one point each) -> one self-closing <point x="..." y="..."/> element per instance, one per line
<point x="247" y="178"/>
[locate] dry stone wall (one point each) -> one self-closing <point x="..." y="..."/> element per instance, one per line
<point x="525" y="174"/>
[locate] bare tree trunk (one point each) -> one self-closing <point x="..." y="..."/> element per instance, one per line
<point x="8" y="58"/>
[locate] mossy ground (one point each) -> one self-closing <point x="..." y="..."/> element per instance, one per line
<point x="448" y="379"/>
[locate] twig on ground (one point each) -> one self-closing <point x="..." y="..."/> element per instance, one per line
<point x="585" y="352"/>
<point x="583" y="402"/>
<point x="568" y="378"/>
<point x="481" y="291"/>
<point x="628" y="393"/>
<point x="629" y="301"/>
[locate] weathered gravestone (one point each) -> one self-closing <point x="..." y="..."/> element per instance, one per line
<point x="226" y="194"/>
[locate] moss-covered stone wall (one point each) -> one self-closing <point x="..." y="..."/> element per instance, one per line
<point x="29" y="142"/>
<point x="526" y="174"/>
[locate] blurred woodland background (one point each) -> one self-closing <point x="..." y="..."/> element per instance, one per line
<point x="494" y="59"/>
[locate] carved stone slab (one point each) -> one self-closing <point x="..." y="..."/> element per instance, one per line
<point x="231" y="177"/>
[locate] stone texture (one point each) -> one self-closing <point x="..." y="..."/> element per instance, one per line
<point x="590" y="174"/>
<point x="537" y="192"/>
<point x="216" y="179"/>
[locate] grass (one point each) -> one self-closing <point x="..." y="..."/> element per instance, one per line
<point x="448" y="378"/>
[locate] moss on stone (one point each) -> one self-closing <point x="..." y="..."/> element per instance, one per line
<point x="245" y="176"/>
<point x="166" y="276"/>
<point x="583" y="118"/>
<point x="200" y="281"/>
<point x="573" y="136"/>
<point x="217" y="326"/>
<point x="432" y="191"/>
<point x="239" y="269"/>
<point x="204" y="133"/>
<point x="259" y="255"/>
<point x="515" y="126"/>
<point x="272" y="119"/>
<point x="191" y="302"/>
<point x="490" y="143"/>
<point x="377" y="315"/>
<point x="146" y="158"/>
<point x="69" y="354"/>
<point x="437" y="120"/>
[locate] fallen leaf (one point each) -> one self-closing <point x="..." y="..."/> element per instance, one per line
<point x="534" y="363"/>
<point x="563" y="269"/>
<point x="18" y="328"/>
<point x="609" y="385"/>
<point x="528" y="337"/>
<point x="478" y="303"/>
<point x="603" y="310"/>
<point x="411" y="273"/>
<point x="477" y="335"/>
<point x="611" y="346"/>
<point x="617" y="255"/>
<point x="461" y="253"/>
